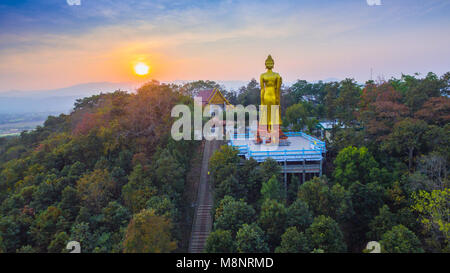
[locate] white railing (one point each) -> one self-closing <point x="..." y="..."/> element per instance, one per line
<point x="318" y="147"/>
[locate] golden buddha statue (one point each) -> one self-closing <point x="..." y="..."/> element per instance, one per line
<point x="270" y="121"/>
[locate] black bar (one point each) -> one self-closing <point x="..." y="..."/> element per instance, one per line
<point x="128" y="263"/>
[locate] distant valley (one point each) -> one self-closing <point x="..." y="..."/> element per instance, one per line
<point x="24" y="110"/>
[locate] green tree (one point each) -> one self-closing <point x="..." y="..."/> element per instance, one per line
<point x="400" y="240"/>
<point x="250" y="180"/>
<point x="314" y="92"/>
<point x="47" y="193"/>
<point x="322" y="200"/>
<point x="348" y="100"/>
<point x="81" y="233"/>
<point x="223" y="166"/>
<point x="192" y="88"/>
<point x="139" y="189"/>
<point x="250" y="94"/>
<point x="340" y="203"/>
<point x="293" y="241"/>
<point x="58" y="244"/>
<point x="26" y="249"/>
<point x="169" y="173"/>
<point x="231" y="214"/>
<point x="434" y="210"/>
<point x="418" y="91"/>
<point x="299" y="215"/>
<point x="382" y="223"/>
<point x="272" y="189"/>
<point x="269" y="168"/>
<point x="330" y="100"/>
<point x="251" y="239"/>
<point x="220" y="241"/>
<point x="10" y="233"/>
<point x="228" y="186"/>
<point x="76" y="171"/>
<point x="301" y="115"/>
<point x="273" y="220"/>
<point x="324" y="233"/>
<point x="366" y="200"/>
<point x="115" y="217"/>
<point x="407" y="138"/>
<point x="438" y="141"/>
<point x="149" y="233"/>
<point x="70" y="202"/>
<point x="46" y="225"/>
<point x="355" y="164"/>
<point x="224" y="156"/>
<point x="163" y="206"/>
<point x="96" y="189"/>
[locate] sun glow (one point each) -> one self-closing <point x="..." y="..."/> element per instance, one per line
<point x="141" y="69"/>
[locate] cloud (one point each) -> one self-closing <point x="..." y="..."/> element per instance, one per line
<point x="221" y="40"/>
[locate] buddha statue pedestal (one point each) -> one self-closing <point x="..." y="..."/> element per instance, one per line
<point x="273" y="136"/>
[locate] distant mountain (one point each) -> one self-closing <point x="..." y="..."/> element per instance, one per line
<point x="233" y="85"/>
<point x="55" y="100"/>
<point x="331" y="80"/>
<point x="229" y="85"/>
<point x="79" y="90"/>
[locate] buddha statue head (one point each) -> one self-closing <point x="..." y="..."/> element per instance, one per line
<point x="269" y="62"/>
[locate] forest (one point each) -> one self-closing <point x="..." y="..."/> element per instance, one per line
<point x="105" y="175"/>
<point x="385" y="179"/>
<point x="109" y="175"/>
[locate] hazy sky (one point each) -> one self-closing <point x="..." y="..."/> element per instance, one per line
<point x="50" y="44"/>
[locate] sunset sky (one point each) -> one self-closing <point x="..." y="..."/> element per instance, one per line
<point x="50" y="44"/>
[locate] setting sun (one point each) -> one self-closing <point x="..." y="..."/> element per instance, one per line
<point x="141" y="69"/>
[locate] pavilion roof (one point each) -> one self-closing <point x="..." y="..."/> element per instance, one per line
<point x="206" y="95"/>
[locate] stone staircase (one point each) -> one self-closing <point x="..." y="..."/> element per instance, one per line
<point x="202" y="223"/>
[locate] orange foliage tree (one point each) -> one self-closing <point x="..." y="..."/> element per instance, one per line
<point x="149" y="233"/>
<point x="435" y="111"/>
<point x="381" y="108"/>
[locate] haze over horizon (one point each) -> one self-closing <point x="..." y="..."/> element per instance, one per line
<point x="51" y="45"/>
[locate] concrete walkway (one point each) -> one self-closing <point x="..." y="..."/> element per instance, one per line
<point x="202" y="224"/>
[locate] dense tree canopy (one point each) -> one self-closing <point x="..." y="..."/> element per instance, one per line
<point x="108" y="171"/>
<point x="251" y="239"/>
<point x="84" y="175"/>
<point x="232" y="214"/>
<point x="293" y="241"/>
<point x="220" y="241"/>
<point x="386" y="168"/>
<point x="400" y="240"/>
<point x="148" y="233"/>
<point x="324" y="233"/>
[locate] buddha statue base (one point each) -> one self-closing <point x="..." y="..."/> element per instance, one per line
<point x="272" y="136"/>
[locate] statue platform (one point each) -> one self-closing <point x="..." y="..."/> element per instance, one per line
<point x="297" y="147"/>
<point x="298" y="154"/>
